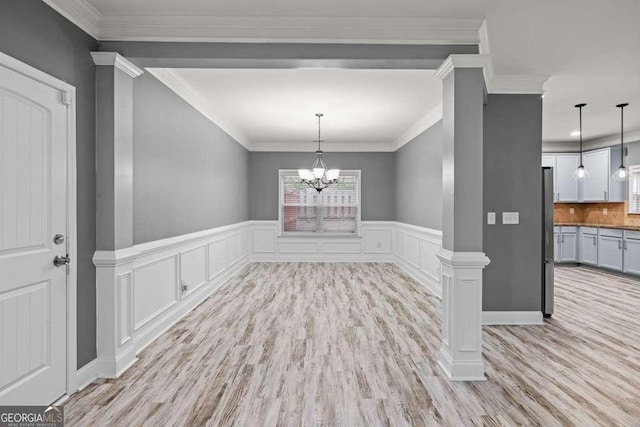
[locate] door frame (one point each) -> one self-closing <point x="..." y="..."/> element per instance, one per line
<point x="67" y="97"/>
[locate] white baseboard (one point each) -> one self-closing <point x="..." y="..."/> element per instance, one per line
<point x="87" y="374"/>
<point x="422" y="278"/>
<point x="512" y="318"/>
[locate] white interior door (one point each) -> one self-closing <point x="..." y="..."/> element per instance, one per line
<point x="33" y="200"/>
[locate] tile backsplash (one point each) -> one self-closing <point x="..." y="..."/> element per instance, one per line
<point x="593" y="213"/>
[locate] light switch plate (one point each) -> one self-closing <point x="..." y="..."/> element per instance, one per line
<point x="491" y="218"/>
<point x="510" y="217"/>
<point x="605" y="211"/>
<point x="572" y="211"/>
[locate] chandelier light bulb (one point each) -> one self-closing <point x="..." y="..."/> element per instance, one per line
<point x="621" y="174"/>
<point x="580" y="174"/>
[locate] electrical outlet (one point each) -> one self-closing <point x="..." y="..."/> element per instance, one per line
<point x="510" y="217"/>
<point x="379" y="245"/>
<point x="491" y="218"/>
<point x="572" y="211"/>
<point x="605" y="211"/>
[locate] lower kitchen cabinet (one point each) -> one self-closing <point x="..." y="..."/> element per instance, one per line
<point x="589" y="248"/>
<point x="632" y="256"/>
<point x="566" y="244"/>
<point x="610" y="252"/>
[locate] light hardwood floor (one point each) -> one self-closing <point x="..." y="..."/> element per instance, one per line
<point x="355" y="344"/>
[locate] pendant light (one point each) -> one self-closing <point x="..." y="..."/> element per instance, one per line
<point x="581" y="173"/>
<point x="319" y="177"/>
<point x="622" y="173"/>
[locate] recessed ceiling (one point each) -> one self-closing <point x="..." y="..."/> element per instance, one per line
<point x="275" y="109"/>
<point x="590" y="48"/>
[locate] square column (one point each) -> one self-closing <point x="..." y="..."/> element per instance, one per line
<point x="460" y="355"/>
<point x="114" y="218"/>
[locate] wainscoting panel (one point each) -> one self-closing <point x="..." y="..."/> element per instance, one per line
<point x="217" y="257"/>
<point x="415" y="251"/>
<point x="139" y="289"/>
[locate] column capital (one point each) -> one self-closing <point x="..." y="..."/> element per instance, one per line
<point x="114" y="59"/>
<point x="466" y="61"/>
<point x="463" y="260"/>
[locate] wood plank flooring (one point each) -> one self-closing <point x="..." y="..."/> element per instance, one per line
<point x="354" y="344"/>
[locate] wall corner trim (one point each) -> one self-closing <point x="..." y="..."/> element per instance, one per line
<point x="114" y="59"/>
<point x="491" y="318"/>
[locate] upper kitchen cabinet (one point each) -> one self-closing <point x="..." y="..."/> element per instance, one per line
<point x="565" y="188"/>
<point x="599" y="186"/>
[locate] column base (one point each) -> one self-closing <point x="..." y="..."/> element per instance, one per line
<point x="460" y="356"/>
<point x="467" y="370"/>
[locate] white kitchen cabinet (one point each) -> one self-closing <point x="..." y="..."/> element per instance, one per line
<point x="610" y="252"/>
<point x="595" y="187"/>
<point x="599" y="186"/>
<point x="568" y="247"/>
<point x="565" y="244"/>
<point x="588" y="248"/>
<point x="567" y="188"/>
<point x="632" y="253"/>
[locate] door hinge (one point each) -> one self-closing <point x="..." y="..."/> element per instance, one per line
<point x="66" y="98"/>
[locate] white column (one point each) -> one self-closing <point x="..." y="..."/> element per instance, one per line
<point x="462" y="259"/>
<point x="113" y="260"/>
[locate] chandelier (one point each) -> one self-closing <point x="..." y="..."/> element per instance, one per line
<point x="319" y="177"/>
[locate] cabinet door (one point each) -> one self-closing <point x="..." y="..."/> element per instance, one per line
<point x="550" y="162"/>
<point x="556" y="247"/>
<point x="632" y="256"/>
<point x="569" y="247"/>
<point x="589" y="249"/>
<point x="610" y="252"/>
<point x="566" y="186"/>
<point x="596" y="187"/>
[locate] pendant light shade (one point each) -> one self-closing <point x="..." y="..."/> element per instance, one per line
<point x="580" y="173"/>
<point x="621" y="174"/>
<point x="319" y="177"/>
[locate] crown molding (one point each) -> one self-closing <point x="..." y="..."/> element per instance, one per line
<point x="420" y="126"/>
<point x="289" y="28"/>
<point x="182" y="88"/>
<point x="114" y="59"/>
<point x="80" y="12"/>
<point x="483" y="39"/>
<point x="465" y="61"/>
<point x="327" y="147"/>
<point x="517" y="84"/>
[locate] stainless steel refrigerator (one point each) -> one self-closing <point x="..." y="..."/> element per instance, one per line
<point x="547" y="241"/>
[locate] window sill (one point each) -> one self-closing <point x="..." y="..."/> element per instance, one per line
<point x="322" y="235"/>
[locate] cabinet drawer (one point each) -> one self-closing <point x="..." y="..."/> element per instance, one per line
<point x="610" y="232"/>
<point x="589" y="230"/>
<point x="632" y="234"/>
<point x="568" y="229"/>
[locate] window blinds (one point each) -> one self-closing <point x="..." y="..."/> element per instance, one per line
<point x="335" y="210"/>
<point x="634" y="189"/>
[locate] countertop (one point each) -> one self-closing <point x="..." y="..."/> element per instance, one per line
<point x="618" y="227"/>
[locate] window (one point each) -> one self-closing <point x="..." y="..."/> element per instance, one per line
<point x="334" y="211"/>
<point x="634" y="189"/>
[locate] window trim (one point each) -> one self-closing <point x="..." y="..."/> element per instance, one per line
<point x="282" y="233"/>
<point x="635" y="169"/>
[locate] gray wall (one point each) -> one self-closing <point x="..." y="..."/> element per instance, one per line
<point x="419" y="180"/>
<point x="633" y="153"/>
<point x="34" y="33"/>
<point x="188" y="175"/>
<point x="513" y="182"/>
<point x="377" y="180"/>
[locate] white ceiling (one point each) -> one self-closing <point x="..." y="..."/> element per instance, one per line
<point x="590" y="48"/>
<point x="275" y="109"/>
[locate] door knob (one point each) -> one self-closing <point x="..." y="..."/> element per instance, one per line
<point x="59" y="261"/>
